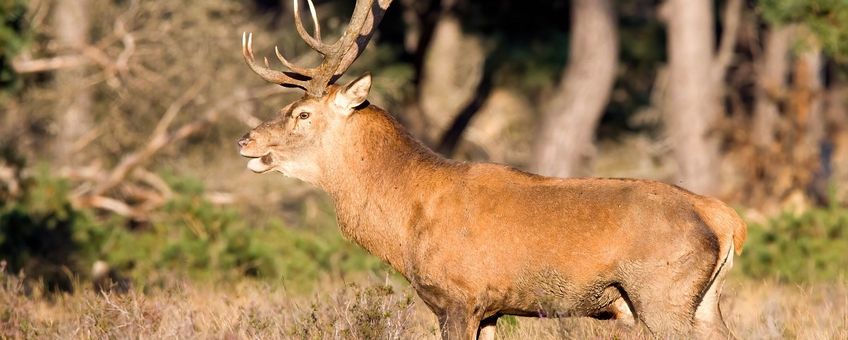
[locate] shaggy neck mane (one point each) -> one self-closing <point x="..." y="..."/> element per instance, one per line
<point x="379" y="181"/>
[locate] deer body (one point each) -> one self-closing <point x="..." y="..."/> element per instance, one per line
<point x="480" y="240"/>
<point x="490" y="240"/>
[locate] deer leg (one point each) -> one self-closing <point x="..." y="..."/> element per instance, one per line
<point x="618" y="310"/>
<point x="709" y="323"/>
<point x="708" y="320"/>
<point x="665" y="308"/>
<point x="488" y="328"/>
<point x="458" y="324"/>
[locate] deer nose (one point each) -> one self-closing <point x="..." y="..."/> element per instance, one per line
<point x="242" y="142"/>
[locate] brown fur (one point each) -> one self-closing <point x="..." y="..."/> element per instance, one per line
<point x="480" y="240"/>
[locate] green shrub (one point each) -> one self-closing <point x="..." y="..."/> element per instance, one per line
<point x="812" y="246"/>
<point x="37" y="232"/>
<point x="191" y="236"/>
<point x="42" y="235"/>
<point x="13" y="27"/>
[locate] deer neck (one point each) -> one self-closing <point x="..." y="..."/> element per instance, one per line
<point x="376" y="181"/>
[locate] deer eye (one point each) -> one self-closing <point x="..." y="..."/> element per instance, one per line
<point x="303" y="115"/>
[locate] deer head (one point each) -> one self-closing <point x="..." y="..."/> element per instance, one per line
<point x="305" y="130"/>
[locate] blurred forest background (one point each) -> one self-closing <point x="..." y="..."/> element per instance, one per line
<point x="118" y="121"/>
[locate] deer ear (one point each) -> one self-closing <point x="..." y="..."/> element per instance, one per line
<point x="353" y="94"/>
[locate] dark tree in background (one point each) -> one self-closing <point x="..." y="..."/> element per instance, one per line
<point x="73" y="109"/>
<point x="664" y="92"/>
<point x="124" y="113"/>
<point x="772" y="74"/>
<point x="567" y="130"/>
<point x="691" y="106"/>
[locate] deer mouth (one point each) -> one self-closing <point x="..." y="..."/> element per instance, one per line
<point x="260" y="164"/>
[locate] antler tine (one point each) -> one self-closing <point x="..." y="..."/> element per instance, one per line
<point x="341" y="54"/>
<point x="266" y="73"/>
<point x="357" y="21"/>
<point x="313" y="42"/>
<point x="337" y="56"/>
<point x="296" y="69"/>
<point x="317" y="27"/>
<point x="365" y="31"/>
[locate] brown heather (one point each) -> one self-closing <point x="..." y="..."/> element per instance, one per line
<point x="368" y="310"/>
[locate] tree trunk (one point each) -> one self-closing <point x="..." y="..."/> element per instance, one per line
<point x="837" y="130"/>
<point x="452" y="71"/>
<point x="771" y="85"/>
<point x="808" y="98"/>
<point x="74" y="106"/>
<point x="691" y="101"/>
<point x="807" y="102"/>
<point x="836" y="114"/>
<point x="568" y="127"/>
<point x="448" y="67"/>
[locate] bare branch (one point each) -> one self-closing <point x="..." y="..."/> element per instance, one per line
<point x="110" y="204"/>
<point x="49" y="64"/>
<point x="122" y="62"/>
<point x="97" y="183"/>
<point x="176" y="106"/>
<point x="159" y="139"/>
<point x="155" y="182"/>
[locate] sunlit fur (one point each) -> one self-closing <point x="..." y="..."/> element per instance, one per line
<point x="479" y="240"/>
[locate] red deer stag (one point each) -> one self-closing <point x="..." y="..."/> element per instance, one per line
<point x="477" y="240"/>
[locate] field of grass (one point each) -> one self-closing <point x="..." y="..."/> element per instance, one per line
<point x="369" y="309"/>
<point x="198" y="270"/>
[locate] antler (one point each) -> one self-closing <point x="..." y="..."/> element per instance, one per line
<point x="338" y="56"/>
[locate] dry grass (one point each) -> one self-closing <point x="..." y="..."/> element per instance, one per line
<point x="371" y="310"/>
<point x="772" y="311"/>
<point x="245" y="310"/>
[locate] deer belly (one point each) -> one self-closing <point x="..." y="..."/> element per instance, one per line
<point x="552" y="294"/>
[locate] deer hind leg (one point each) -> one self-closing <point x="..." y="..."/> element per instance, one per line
<point x="488" y="328"/>
<point x="665" y="304"/>
<point x="619" y="310"/>
<point x="620" y="314"/>
<point x="661" y="315"/>
<point x="709" y="322"/>
<point x="459" y="324"/>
